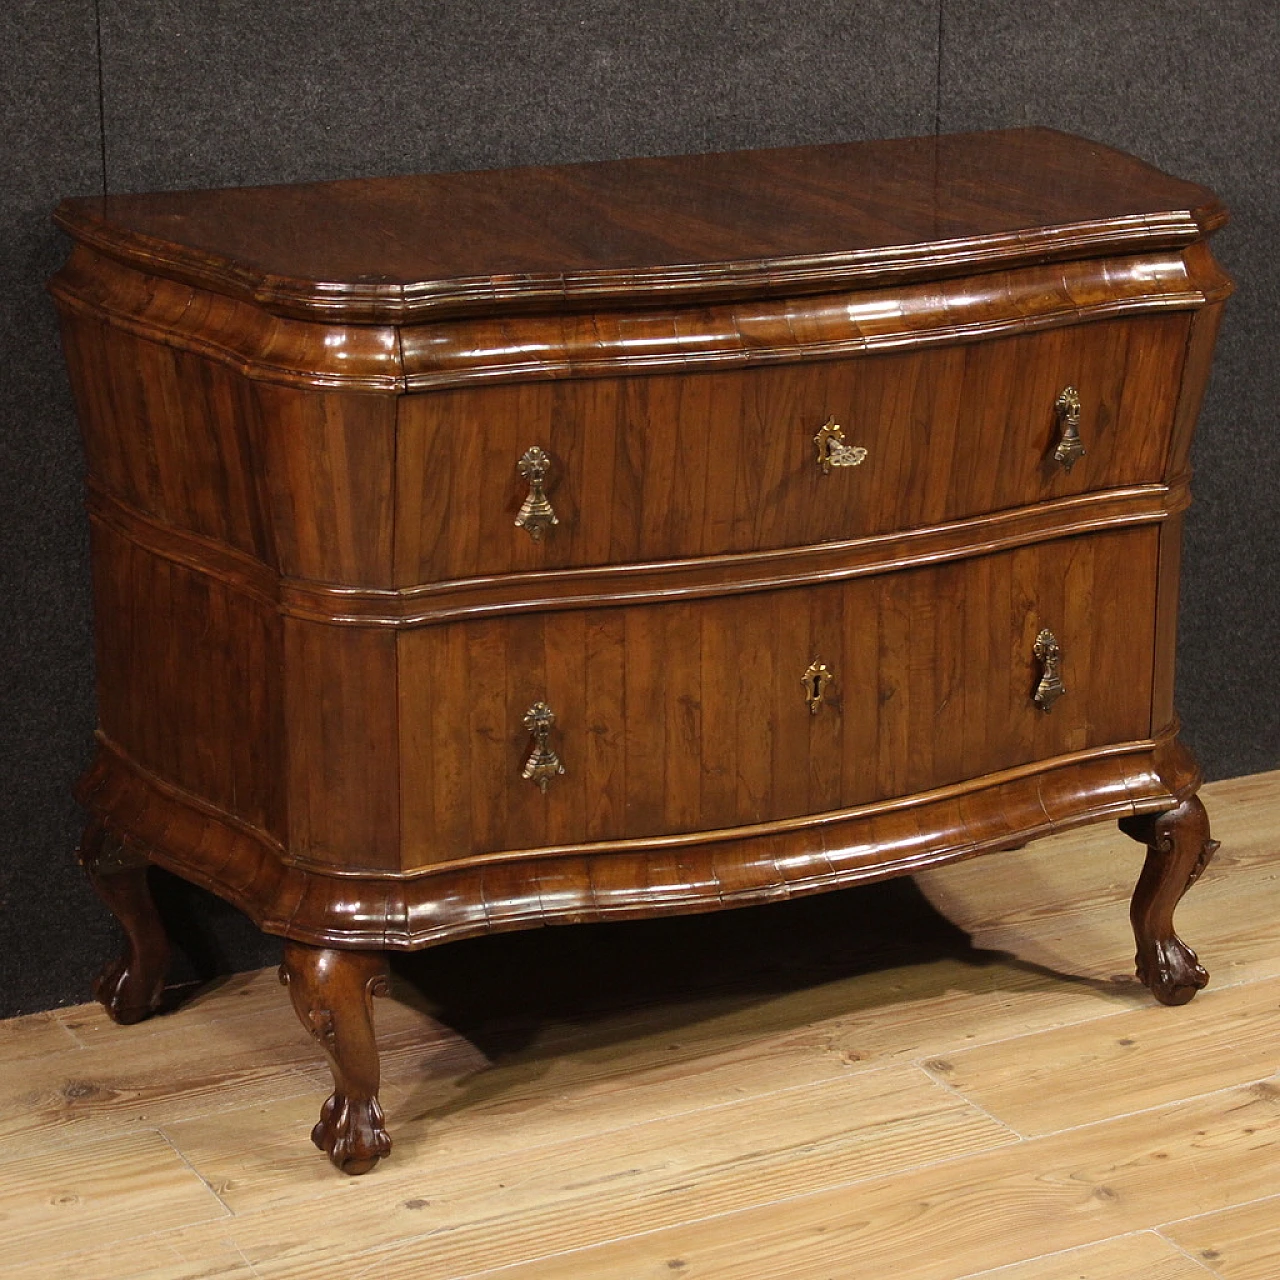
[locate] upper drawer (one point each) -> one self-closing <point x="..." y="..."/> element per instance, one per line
<point x="667" y="466"/>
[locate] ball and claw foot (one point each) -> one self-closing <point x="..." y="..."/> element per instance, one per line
<point x="1171" y="971"/>
<point x="125" y="993"/>
<point x="1179" y="848"/>
<point x="352" y="1134"/>
<point x="131" y="987"/>
<point x="332" y="993"/>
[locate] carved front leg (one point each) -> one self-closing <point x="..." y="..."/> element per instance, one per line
<point x="332" y="992"/>
<point x="132" y="986"/>
<point x="1179" y="848"/>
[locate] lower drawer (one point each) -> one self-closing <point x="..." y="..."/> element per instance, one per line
<point x="701" y="715"/>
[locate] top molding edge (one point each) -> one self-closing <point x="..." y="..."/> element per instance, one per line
<point x="618" y="245"/>
<point x="358" y="302"/>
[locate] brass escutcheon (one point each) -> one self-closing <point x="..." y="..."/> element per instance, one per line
<point x="1069" y="450"/>
<point x="543" y="764"/>
<point x="815" y="681"/>
<point x="1050" y="688"/>
<point x="832" y="450"/>
<point x="536" y="515"/>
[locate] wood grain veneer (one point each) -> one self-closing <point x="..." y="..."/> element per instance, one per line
<point x="698" y="464"/>
<point x="321" y="624"/>
<point x="780" y="222"/>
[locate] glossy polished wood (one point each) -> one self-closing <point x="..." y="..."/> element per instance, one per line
<point x="333" y="993"/>
<point x="321" y="624"/>
<point x="736" y="224"/>
<point x="696" y="718"/>
<point x="1179" y="848"/>
<point x="700" y="871"/>
<point x="671" y="465"/>
<point x="130" y="988"/>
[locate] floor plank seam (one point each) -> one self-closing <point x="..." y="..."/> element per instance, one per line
<point x="632" y="1125"/>
<point x="1157" y="1106"/>
<point x="1039" y="1031"/>
<point x="75" y="1041"/>
<point x="848" y="1184"/>
<point x="89" y="1016"/>
<point x="1202" y="1263"/>
<point x="380" y="1251"/>
<point x="228" y="1211"/>
<point x="1142" y="1000"/>
<point x="76" y="1261"/>
<point x="956" y="1093"/>
<point x="244" y="1258"/>
<point x="988" y="1272"/>
<point x="1211" y="1213"/>
<point x="636" y="1125"/>
<point x="307" y="1086"/>
<point x="62" y="1139"/>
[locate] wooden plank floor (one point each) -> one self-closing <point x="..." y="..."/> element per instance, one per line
<point x="951" y="1078"/>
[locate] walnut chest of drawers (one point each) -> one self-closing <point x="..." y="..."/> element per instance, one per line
<point x="488" y="550"/>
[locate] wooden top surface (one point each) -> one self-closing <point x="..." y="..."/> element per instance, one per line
<point x="732" y="224"/>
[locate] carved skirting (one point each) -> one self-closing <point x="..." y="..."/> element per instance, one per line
<point x="500" y="892"/>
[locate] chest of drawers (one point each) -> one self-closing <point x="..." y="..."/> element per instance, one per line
<point x="481" y="551"/>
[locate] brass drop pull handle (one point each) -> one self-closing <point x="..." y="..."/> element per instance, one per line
<point x="1069" y="450"/>
<point x="832" y="450"/>
<point x="543" y="764"/>
<point x="1050" y="687"/>
<point x="536" y="515"/>
<point x="815" y="682"/>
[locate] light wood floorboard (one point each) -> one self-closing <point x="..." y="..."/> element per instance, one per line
<point x="967" y="1084"/>
<point x="1144" y="1256"/>
<point x="1241" y="1243"/>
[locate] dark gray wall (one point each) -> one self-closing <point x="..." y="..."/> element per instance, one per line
<point x="144" y="94"/>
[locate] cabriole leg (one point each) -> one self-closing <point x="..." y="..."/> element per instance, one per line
<point x="1179" y="848"/>
<point x="131" y="987"/>
<point x="332" y="992"/>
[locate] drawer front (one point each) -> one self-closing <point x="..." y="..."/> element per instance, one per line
<point x="685" y="717"/>
<point x="665" y="466"/>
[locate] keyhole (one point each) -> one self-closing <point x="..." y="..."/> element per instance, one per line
<point x="815" y="680"/>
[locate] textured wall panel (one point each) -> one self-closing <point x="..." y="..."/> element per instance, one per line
<point x="49" y="127"/>
<point x="206" y="92"/>
<point x="1190" y="87"/>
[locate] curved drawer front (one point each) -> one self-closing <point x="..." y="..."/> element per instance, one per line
<point x="629" y="722"/>
<point x="616" y="470"/>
